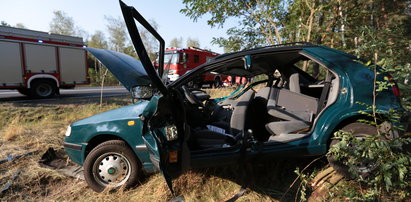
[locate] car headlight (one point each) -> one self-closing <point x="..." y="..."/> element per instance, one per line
<point x="68" y="131"/>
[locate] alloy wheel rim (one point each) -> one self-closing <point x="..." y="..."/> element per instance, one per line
<point x="363" y="168"/>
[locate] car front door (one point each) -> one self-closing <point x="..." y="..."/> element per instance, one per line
<point x="165" y="132"/>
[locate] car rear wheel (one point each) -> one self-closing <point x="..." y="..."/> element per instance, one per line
<point x="111" y="165"/>
<point x="359" y="131"/>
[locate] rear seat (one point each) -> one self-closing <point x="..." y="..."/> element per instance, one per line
<point x="263" y="93"/>
<point x="295" y="110"/>
<point x="288" y="105"/>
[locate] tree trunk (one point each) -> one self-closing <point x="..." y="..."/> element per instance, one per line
<point x="342" y="27"/>
<point x="316" y="66"/>
<point x="321" y="185"/>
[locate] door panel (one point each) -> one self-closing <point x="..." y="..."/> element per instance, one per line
<point x="165" y="137"/>
<point x="73" y="65"/>
<point x="10" y="66"/>
<point x="40" y="58"/>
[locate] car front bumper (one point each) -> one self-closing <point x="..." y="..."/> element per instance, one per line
<point x="75" y="152"/>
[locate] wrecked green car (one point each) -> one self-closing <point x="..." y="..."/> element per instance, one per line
<point x="282" y="112"/>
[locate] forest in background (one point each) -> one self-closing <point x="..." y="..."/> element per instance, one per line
<point x="376" y="30"/>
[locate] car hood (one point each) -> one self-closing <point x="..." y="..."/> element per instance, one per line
<point x="123" y="113"/>
<point x="128" y="70"/>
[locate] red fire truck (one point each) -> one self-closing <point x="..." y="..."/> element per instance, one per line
<point x="181" y="60"/>
<point x="38" y="64"/>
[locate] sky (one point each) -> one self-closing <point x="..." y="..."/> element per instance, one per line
<point x="89" y="15"/>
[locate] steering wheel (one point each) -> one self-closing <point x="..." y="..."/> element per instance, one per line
<point x="191" y="97"/>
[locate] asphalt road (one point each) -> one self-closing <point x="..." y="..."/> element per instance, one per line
<point x="78" y="92"/>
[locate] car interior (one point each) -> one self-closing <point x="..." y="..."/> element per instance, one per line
<point x="280" y="103"/>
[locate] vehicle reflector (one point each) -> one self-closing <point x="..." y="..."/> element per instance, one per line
<point x="173" y="157"/>
<point x="131" y="123"/>
<point x="394" y="88"/>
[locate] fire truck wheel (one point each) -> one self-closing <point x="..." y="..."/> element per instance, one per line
<point x="43" y="88"/>
<point x="24" y="91"/>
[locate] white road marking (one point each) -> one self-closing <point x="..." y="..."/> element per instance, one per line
<point x="72" y="90"/>
<point x="52" y="99"/>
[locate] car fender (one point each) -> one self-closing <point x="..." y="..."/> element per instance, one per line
<point x="122" y="123"/>
<point x="135" y="144"/>
<point x="334" y="119"/>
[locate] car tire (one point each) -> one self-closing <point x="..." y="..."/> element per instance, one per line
<point x="43" y="89"/>
<point x="111" y="165"/>
<point x="359" y="130"/>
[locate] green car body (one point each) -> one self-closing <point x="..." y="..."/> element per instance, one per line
<point x="109" y="125"/>
<point x="144" y="127"/>
<point x="91" y="131"/>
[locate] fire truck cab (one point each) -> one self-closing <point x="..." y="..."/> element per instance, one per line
<point x="181" y="60"/>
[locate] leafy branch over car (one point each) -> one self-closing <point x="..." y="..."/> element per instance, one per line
<point x="371" y="151"/>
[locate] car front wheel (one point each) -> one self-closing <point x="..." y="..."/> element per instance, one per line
<point x="111" y="164"/>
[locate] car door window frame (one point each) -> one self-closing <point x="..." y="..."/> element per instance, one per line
<point x="130" y="14"/>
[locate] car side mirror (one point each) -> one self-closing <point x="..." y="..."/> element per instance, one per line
<point x="247" y="62"/>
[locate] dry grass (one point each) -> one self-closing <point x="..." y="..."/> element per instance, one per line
<point x="221" y="92"/>
<point x="14" y="129"/>
<point x="36" y="128"/>
<point x="27" y="128"/>
<point x="218" y="92"/>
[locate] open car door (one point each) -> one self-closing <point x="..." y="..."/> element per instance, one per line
<point x="130" y="14"/>
<point x="164" y="131"/>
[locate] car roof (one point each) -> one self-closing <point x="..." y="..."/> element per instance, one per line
<point x="272" y="48"/>
<point x="294" y="46"/>
<point x="281" y="54"/>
